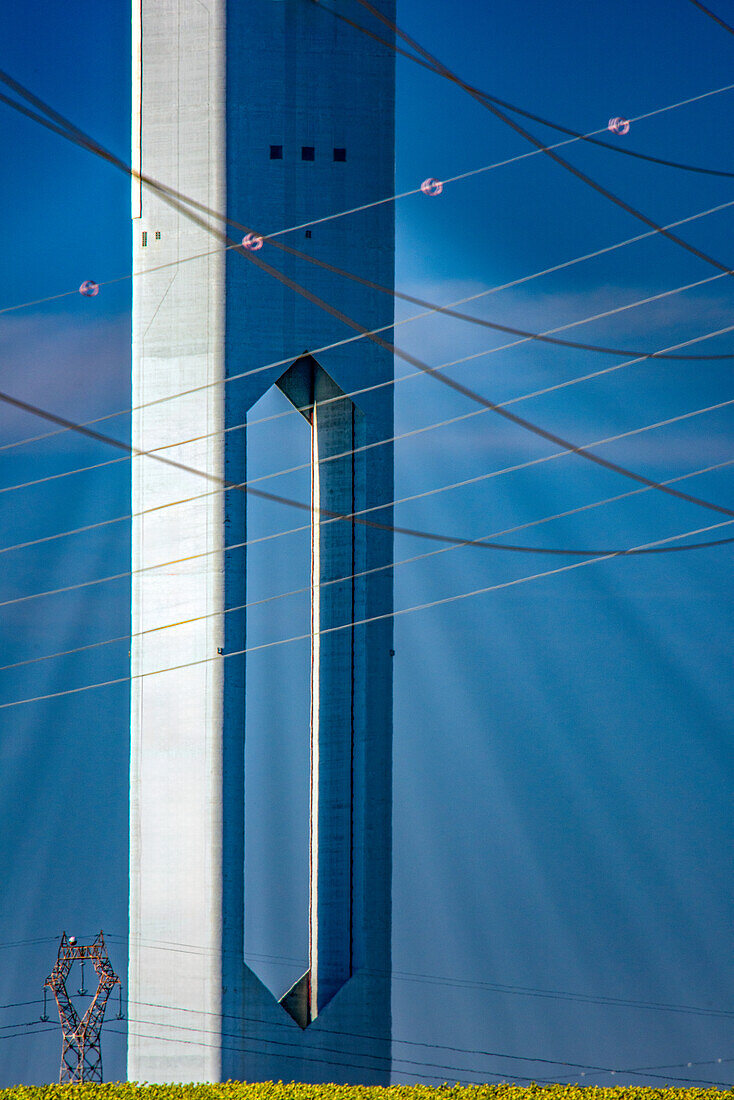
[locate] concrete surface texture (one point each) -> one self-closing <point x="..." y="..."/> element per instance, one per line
<point x="278" y="113"/>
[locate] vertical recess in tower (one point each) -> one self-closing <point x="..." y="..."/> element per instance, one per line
<point x="327" y="716"/>
<point x="277" y="696"/>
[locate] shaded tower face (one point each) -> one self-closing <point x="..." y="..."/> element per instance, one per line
<point x="280" y="115"/>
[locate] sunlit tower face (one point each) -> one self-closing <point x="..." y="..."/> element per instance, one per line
<point x="276" y="152"/>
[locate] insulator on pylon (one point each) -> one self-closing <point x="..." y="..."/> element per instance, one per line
<point x="81" y="1051"/>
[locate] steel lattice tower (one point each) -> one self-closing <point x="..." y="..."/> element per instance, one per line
<point x="81" y="1052"/>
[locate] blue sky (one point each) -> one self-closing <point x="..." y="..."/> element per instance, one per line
<point x="563" y="769"/>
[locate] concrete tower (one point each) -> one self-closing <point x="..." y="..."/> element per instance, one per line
<point x="278" y="113"/>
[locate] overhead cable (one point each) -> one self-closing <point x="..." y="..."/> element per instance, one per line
<point x="711" y="15"/>
<point x="350" y="1064"/>
<point x="246" y="425"/>
<point x="353" y="339"/>
<point x="339" y="315"/>
<point x="463" y="1071"/>
<point x="379" y="568"/>
<point x="442" y="70"/>
<point x="33" y="1029"/>
<point x="538" y="118"/>
<point x="168" y="196"/>
<point x="66" y="129"/>
<point x="175" y="198"/>
<point x="150" y="943"/>
<point x="415" y="361"/>
<point x="270" y="237"/>
<point x="361" y="622"/>
<point x="359" y="517"/>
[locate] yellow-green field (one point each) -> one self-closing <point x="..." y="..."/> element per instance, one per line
<point x="238" y="1090"/>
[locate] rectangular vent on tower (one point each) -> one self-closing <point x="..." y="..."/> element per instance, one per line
<point x="145" y="238"/>
<point x="340" y="154"/>
<point x="276" y="152"/>
<point x="308" y="152"/>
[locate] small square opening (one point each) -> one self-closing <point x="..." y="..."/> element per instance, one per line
<point x="340" y="154"/>
<point x="308" y="232"/>
<point x="308" y="152"/>
<point x="276" y="152"/>
<point x="157" y="234"/>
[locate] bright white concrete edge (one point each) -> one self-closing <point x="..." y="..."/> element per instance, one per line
<point x="163" y="810"/>
<point x="313" y="937"/>
<point x="137" y="76"/>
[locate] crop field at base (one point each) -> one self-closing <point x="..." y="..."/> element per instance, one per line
<point x="269" y="1090"/>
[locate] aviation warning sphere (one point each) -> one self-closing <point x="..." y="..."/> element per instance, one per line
<point x="431" y="187"/>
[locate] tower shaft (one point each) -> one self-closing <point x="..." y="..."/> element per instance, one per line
<point x="278" y="114"/>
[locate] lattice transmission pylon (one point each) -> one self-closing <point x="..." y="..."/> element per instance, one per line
<point x="81" y="1051"/>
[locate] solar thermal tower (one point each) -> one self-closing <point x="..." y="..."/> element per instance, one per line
<point x="280" y="114"/>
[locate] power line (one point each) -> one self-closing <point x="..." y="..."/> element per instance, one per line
<point x="521" y="421"/>
<point x="359" y="517"/>
<point x="445" y="72"/>
<point x="669" y="1065"/>
<point x="151" y="943"/>
<point x="711" y="15"/>
<point x="362" y="1054"/>
<point x="365" y="572"/>
<point x="357" y="622"/>
<point x="543" y="337"/>
<point x="538" y="118"/>
<point x="66" y="129"/>
<point x="33" y="1029"/>
<point x="343" y="317"/>
<point x="353" y="339"/>
<point x="249" y="1050"/>
<point x="176" y="198"/>
<point x="459" y="983"/>
<point x="24" y="1023"/>
<point x="650" y="486"/>
<point x="444" y="379"/>
<point x="246" y="425"/>
<point x="385" y="1058"/>
<point x="172" y="198"/>
<point x="432" y="371"/>
<point x="71" y="531"/>
<point x="403" y="435"/>
<point x="28" y="943"/>
<point x="606" y="1002"/>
